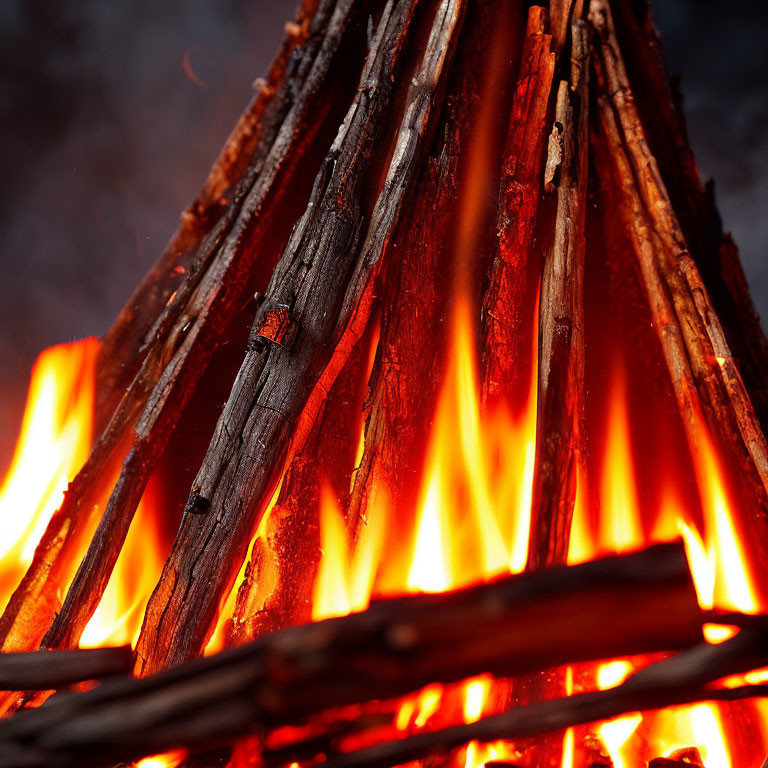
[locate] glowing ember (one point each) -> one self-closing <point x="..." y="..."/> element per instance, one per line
<point x="168" y="760"/>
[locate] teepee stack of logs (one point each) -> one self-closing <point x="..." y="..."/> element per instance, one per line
<point x="324" y="232"/>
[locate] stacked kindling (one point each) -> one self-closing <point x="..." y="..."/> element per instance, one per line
<point x="325" y="225"/>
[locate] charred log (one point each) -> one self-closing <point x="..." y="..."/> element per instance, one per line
<point x="181" y="342"/>
<point x="514" y="625"/>
<point x="320" y="280"/>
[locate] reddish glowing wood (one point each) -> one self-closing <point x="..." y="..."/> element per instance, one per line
<point x="508" y="303"/>
<point x="706" y="381"/>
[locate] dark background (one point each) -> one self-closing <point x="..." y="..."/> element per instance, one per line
<point x="104" y="138"/>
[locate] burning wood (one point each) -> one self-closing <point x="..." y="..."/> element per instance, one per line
<point x="413" y="175"/>
<point x="561" y="321"/>
<point x="514" y="625"/>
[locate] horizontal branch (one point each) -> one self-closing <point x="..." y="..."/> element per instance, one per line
<point x="679" y="680"/>
<point x="515" y="625"/>
<point x="48" y="670"/>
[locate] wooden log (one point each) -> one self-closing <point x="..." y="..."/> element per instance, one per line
<point x="49" y="670"/>
<point x="659" y="106"/>
<point x="681" y="679"/>
<point x="513" y="625"/>
<point x="415" y="303"/>
<point x="707" y="384"/>
<point x="560" y="14"/>
<point x="320" y="281"/>
<point x="123" y="347"/>
<point x="509" y="300"/>
<point x="561" y="322"/>
<point x="32" y="606"/>
<point x="559" y="427"/>
<point x="214" y="296"/>
<point x="287" y="561"/>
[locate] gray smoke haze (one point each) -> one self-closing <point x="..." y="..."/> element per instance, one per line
<point x="105" y="138"/>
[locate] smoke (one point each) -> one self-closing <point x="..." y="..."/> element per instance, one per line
<point x="105" y="138"/>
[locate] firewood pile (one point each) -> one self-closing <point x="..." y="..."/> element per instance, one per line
<point x="326" y="225"/>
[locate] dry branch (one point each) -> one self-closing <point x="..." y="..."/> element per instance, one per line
<point x="124" y="346"/>
<point x="48" y="670"/>
<point x="705" y="379"/>
<point x="509" y="300"/>
<point x="513" y="625"/>
<point x="659" y="106"/>
<point x="681" y="679"/>
<point x="33" y="605"/>
<point x="561" y="322"/>
<point x="320" y="280"/>
<point x="204" y="305"/>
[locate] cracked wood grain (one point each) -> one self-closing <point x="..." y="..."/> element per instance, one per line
<point x="320" y="279"/>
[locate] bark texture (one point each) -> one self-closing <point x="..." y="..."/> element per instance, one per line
<point x="394" y="647"/>
<point x="560" y="412"/>
<point x="321" y="281"/>
<point x="195" y="321"/>
<point x="509" y="300"/>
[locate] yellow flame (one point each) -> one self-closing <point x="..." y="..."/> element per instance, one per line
<point x="166" y="760"/>
<point x="345" y="578"/>
<point x="568" y="749"/>
<point x="478" y="480"/>
<point x="731" y="582"/>
<point x="53" y="444"/>
<point x="581" y="547"/>
<point x="427" y="704"/>
<point x="620" y="528"/>
<point x="613" y="673"/>
<point x="708" y="735"/>
<point x="429" y="568"/>
<point x="475" y="695"/>
<point x="615" y="734"/>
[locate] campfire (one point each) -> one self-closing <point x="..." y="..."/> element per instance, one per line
<point x="435" y="436"/>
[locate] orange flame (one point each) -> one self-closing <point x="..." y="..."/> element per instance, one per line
<point x="473" y="522"/>
<point x="475" y="510"/>
<point x="345" y="578"/>
<point x="53" y="444"/>
<point x="117" y="620"/>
